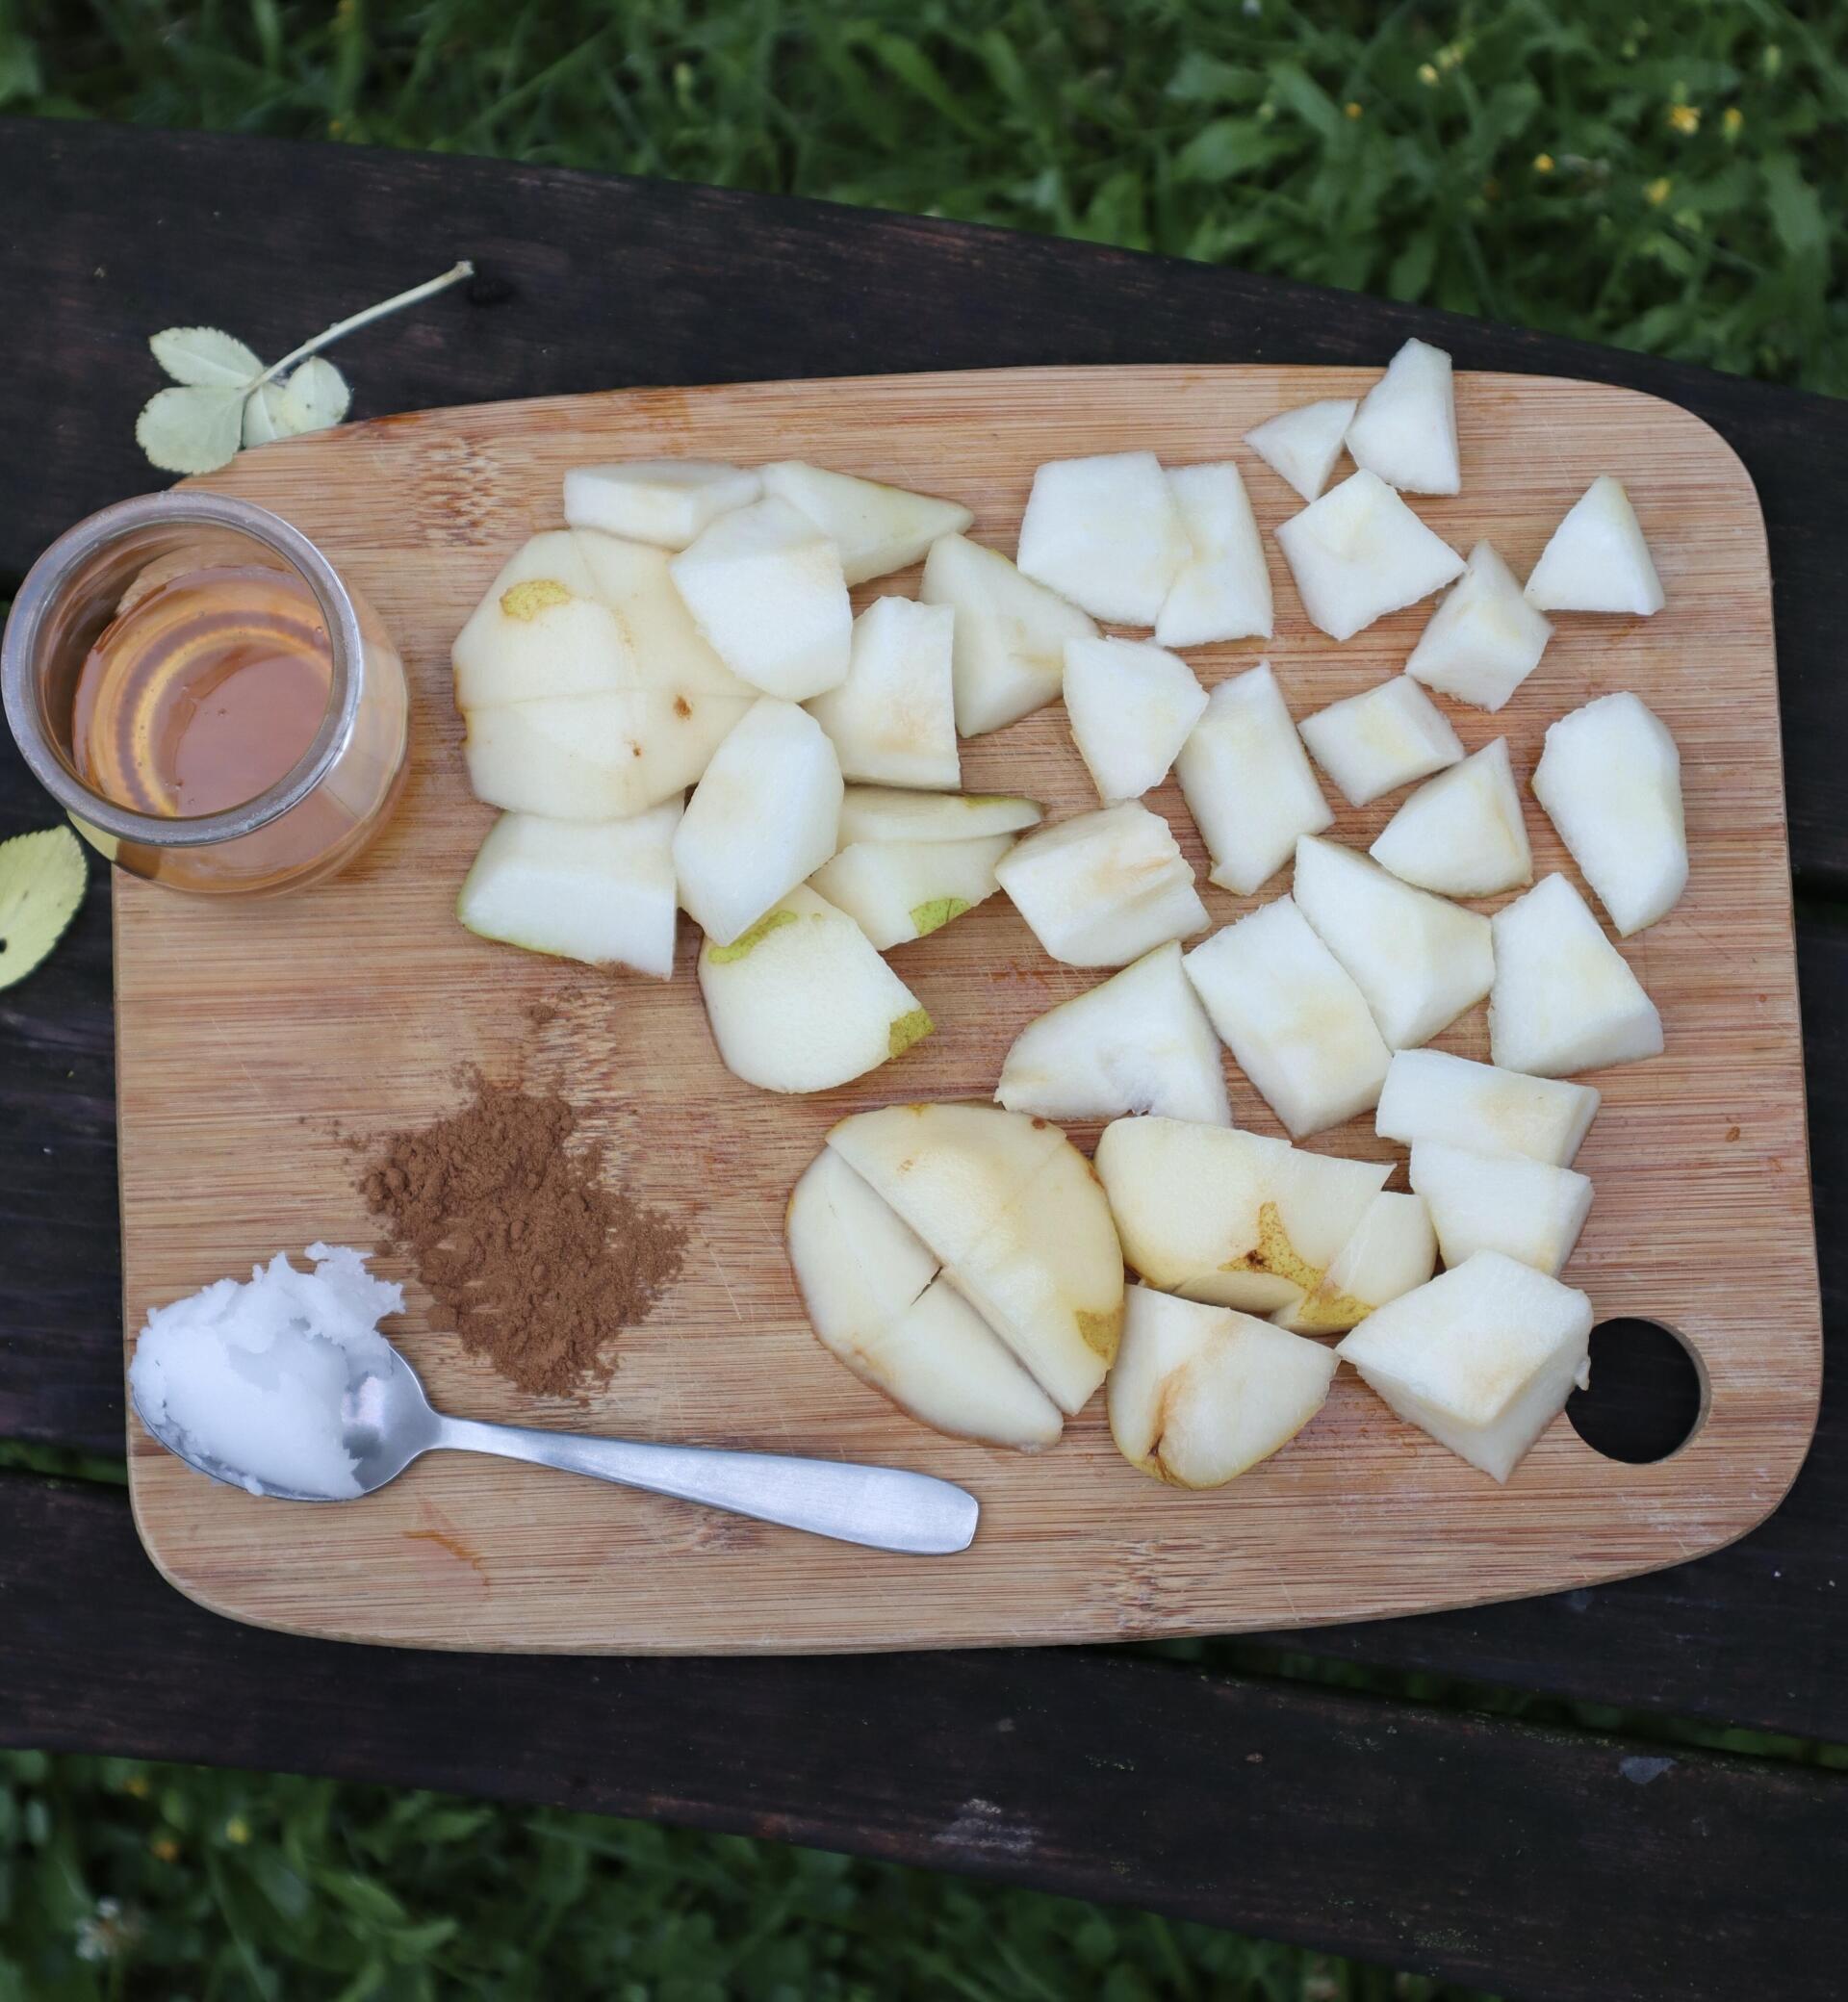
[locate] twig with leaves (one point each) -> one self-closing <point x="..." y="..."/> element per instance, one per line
<point x="226" y="398"/>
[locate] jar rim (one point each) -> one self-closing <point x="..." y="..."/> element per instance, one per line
<point x="39" y="595"/>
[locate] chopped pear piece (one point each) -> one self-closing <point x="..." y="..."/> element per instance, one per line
<point x="595" y="756"/>
<point x="1610" y="780"/>
<point x="900" y="891"/>
<point x="1596" y="560"/>
<point x="764" y="817"/>
<point x="1019" y="1222"/>
<point x="541" y="630"/>
<point x="1393" y="1249"/>
<point x="1296" y="1024"/>
<point x="1564" y="1000"/>
<point x="893" y="719"/>
<point x="1405" y="428"/>
<point x="635" y="580"/>
<point x="1421" y="961"/>
<point x="602" y="891"/>
<point x="1140" y="1042"/>
<point x="1009" y="656"/>
<point x="765" y="588"/>
<point x="1106" y="534"/>
<point x="1131" y="706"/>
<point x="890" y="814"/>
<point x="1461" y="836"/>
<point x="877" y="529"/>
<point x="1360" y="552"/>
<point x="1233" y="1218"/>
<point x="1432" y="1096"/>
<point x="802" y="1002"/>
<point x="867" y="1283"/>
<point x="1482" y="1358"/>
<point x="1103" y="888"/>
<point x="1301" y="446"/>
<point x="1200" y="1394"/>
<point x="665" y="502"/>
<point x="1484" y="639"/>
<point x="1248" y="783"/>
<point x="1497" y="1202"/>
<point x="1374" y="742"/>
<point x="1222" y="590"/>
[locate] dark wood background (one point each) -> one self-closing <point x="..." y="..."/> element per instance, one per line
<point x="1556" y="1862"/>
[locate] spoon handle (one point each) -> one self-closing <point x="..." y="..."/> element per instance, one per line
<point x="883" y="1507"/>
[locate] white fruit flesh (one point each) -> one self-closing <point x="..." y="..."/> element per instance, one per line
<point x="1301" y="446"/>
<point x="1009" y="656"/>
<point x="602" y="891"/>
<point x="764" y="817"/>
<point x="1233" y="1218"/>
<point x="1484" y="640"/>
<point x="888" y="813"/>
<point x="1463" y="834"/>
<point x="900" y="891"/>
<point x="636" y="582"/>
<point x="1610" y="780"/>
<point x="1385" y="737"/>
<point x="1103" y="888"/>
<point x="1296" y="1024"/>
<point x="1393" y="1249"/>
<point x="1140" y="1042"/>
<point x="1482" y="1358"/>
<point x="1596" y="560"/>
<point x="893" y="719"/>
<point x="803" y="1002"/>
<point x="1359" y="553"/>
<point x="765" y="588"/>
<point x="1222" y="590"/>
<point x="664" y="501"/>
<point x="1015" y="1214"/>
<point x="1496" y="1202"/>
<point x="1432" y="1096"/>
<point x="1248" y="783"/>
<point x="541" y="630"/>
<point x="1420" y="962"/>
<point x="595" y="756"/>
<point x="876" y="528"/>
<point x="1564" y="1000"/>
<point x="1199" y="1394"/>
<point x="1131" y="706"/>
<point x="1405" y="428"/>
<point x="1105" y="532"/>
<point x="870" y="1287"/>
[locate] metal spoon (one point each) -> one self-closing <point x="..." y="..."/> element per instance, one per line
<point x="390" y="1422"/>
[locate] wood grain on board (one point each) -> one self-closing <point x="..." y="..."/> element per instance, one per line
<point x="255" y="1043"/>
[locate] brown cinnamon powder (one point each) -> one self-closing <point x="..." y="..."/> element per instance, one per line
<point x="516" y="1236"/>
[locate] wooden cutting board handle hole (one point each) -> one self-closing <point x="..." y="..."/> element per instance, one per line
<point x="1649" y="1391"/>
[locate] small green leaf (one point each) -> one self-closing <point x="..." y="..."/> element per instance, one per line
<point x="318" y="394"/>
<point x="41" y="884"/>
<point x="191" y="431"/>
<point x="203" y="358"/>
<point x="266" y="415"/>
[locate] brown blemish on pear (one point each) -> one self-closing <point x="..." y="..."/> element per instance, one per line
<point x="1101" y="1332"/>
<point x="1274" y="1253"/>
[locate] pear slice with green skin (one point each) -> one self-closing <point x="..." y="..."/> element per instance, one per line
<point x="1393" y="1249"/>
<point x="801" y="1002"/>
<point x="601" y="891"/>
<point x="877" y="529"/>
<point x="891" y="813"/>
<point x="900" y="891"/>
<point x="1483" y="1357"/>
<point x="1230" y="1218"/>
<point x="1199" y="1394"/>
<point x="543" y="630"/>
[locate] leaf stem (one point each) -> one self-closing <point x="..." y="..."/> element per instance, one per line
<point x="341" y="328"/>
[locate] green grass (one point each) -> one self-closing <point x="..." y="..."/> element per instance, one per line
<point x="1667" y="175"/>
<point x="1664" y="175"/>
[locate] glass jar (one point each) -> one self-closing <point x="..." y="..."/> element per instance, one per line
<point x="323" y="811"/>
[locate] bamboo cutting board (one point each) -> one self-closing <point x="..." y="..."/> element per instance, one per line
<point x="254" y="1040"/>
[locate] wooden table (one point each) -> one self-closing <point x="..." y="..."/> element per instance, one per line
<point x="1537" y="1861"/>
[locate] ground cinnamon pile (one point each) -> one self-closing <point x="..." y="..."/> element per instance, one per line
<point x="511" y="1228"/>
